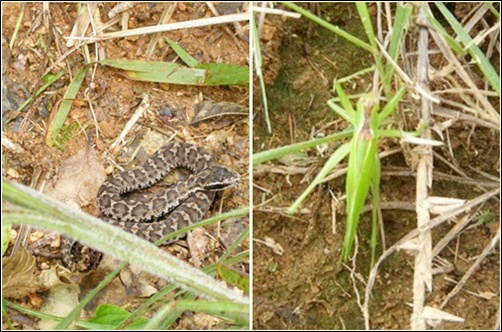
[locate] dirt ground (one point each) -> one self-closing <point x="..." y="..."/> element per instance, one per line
<point x="303" y="285"/>
<point x="115" y="98"/>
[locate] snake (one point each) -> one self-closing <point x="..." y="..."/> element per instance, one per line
<point x="152" y="217"/>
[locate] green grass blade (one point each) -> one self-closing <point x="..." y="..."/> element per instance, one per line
<point x="225" y="74"/>
<point x="395" y="133"/>
<point x="356" y="41"/>
<point x="391" y="105"/>
<point x="18" y="25"/>
<point x="362" y="9"/>
<point x="238" y="312"/>
<point x="264" y="156"/>
<point x="162" y="72"/>
<point x="493" y="10"/>
<point x="175" y="314"/>
<point x="5" y="315"/>
<point x="189" y="60"/>
<point x="48" y="79"/>
<point x="452" y="43"/>
<point x="234" y="278"/>
<point x="65" y="323"/>
<point x="399" y="28"/>
<point x="64" y="108"/>
<point x="158" y="321"/>
<point x="234" y="246"/>
<point x="334" y="160"/>
<point x="478" y="56"/>
<point x="167" y="72"/>
<point x="168" y="293"/>
<point x="346" y="111"/>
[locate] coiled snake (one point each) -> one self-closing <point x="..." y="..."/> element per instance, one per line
<point x="187" y="201"/>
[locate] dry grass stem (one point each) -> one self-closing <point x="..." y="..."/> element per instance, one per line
<point x="422" y="275"/>
<point x="237" y="27"/>
<point x="484" y="109"/>
<point x="425" y="93"/>
<point x="82" y="23"/>
<point x="285" y="170"/>
<point x="282" y="211"/>
<point x="459" y="226"/>
<point x="413" y="234"/>
<point x="168" y="27"/>
<point x="276" y="11"/>
<point x="489" y="248"/>
<point x="119" y="8"/>
<point x="460" y="116"/>
<point x="143" y="107"/>
<point x="164" y="19"/>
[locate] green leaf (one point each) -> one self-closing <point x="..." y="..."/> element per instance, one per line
<point x="353" y="39"/>
<point x="400" y="25"/>
<point x="167" y="72"/>
<point x="156" y="71"/>
<point x="238" y="312"/>
<point x="225" y="74"/>
<point x="65" y="107"/>
<point x="234" y="278"/>
<point x="261" y="157"/>
<point x="362" y="9"/>
<point x="184" y="56"/>
<point x="334" y="160"/>
<point x="109" y="317"/>
<point x="48" y="79"/>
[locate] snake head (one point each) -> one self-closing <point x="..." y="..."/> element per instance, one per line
<point x="218" y="178"/>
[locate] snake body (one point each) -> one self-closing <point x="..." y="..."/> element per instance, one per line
<point x="186" y="201"/>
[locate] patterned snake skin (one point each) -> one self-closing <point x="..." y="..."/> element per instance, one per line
<point x="186" y="201"/>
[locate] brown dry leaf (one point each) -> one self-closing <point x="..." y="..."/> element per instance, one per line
<point x="79" y="178"/>
<point x="60" y="301"/>
<point x="82" y="23"/>
<point x="138" y="282"/>
<point x="198" y="321"/>
<point x="50" y="278"/>
<point x="131" y="284"/>
<point x="198" y="243"/>
<point x="18" y="280"/>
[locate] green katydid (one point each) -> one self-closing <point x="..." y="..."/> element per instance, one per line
<point x="363" y="169"/>
<point x="364" y="165"/>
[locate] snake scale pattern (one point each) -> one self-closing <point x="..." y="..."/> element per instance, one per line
<point x="186" y="201"/>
